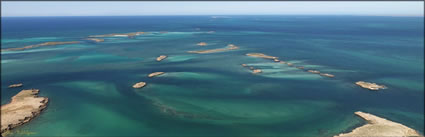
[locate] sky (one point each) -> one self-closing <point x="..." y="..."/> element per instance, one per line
<point x="139" y="8"/>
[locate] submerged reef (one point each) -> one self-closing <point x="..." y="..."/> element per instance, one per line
<point x="370" y="86"/>
<point x="289" y="64"/>
<point x="24" y="106"/>
<point x="176" y="113"/>
<point x="229" y="47"/>
<point x="379" y="127"/>
<point x="41" y="45"/>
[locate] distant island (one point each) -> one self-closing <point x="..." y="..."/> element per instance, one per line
<point x="229" y="47"/>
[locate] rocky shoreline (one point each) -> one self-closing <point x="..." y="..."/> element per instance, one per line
<point x="378" y="127"/>
<point x="24" y="107"/>
<point x="41" y="45"/>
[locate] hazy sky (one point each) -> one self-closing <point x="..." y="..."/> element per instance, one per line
<point x="80" y="8"/>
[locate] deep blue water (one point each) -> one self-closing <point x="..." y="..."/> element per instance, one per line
<point x="89" y="84"/>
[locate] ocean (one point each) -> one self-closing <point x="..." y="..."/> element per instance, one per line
<point x="89" y="84"/>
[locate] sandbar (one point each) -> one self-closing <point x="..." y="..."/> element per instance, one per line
<point x="255" y="71"/>
<point x="314" y="71"/>
<point x="202" y="44"/>
<point x="155" y="74"/>
<point x="95" y="39"/>
<point x="139" y="85"/>
<point x="327" y="75"/>
<point x="162" y="57"/>
<point x="16" y="85"/>
<point x="229" y="47"/>
<point x="130" y="35"/>
<point x="41" y="45"/>
<point x="261" y="55"/>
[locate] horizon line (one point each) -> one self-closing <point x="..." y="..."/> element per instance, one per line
<point x="226" y="15"/>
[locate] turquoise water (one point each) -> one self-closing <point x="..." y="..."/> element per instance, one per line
<point x="89" y="84"/>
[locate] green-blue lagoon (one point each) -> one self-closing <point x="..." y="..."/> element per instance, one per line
<point x="89" y="84"/>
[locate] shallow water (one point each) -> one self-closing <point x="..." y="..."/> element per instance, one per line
<point x="89" y="84"/>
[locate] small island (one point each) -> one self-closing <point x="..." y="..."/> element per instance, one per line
<point x="327" y="75"/>
<point x="139" y="85"/>
<point x="229" y="47"/>
<point x="379" y="127"/>
<point x="155" y="74"/>
<point x="255" y="71"/>
<point x="24" y="107"/>
<point x="314" y="71"/>
<point x="41" y="45"/>
<point x="129" y="35"/>
<point x="370" y="86"/>
<point x="162" y="57"/>
<point x="201" y="44"/>
<point x="261" y="55"/>
<point x="276" y="60"/>
<point x="16" y="85"/>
